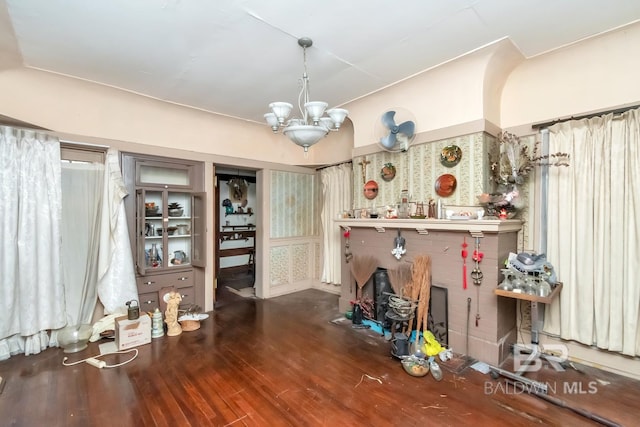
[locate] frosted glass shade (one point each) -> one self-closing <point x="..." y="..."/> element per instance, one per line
<point x="326" y="122"/>
<point x="315" y="110"/>
<point x="337" y="115"/>
<point x="272" y="121"/>
<point x="305" y="135"/>
<point x="281" y="110"/>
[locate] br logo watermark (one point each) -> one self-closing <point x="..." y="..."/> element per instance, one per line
<point x="524" y="360"/>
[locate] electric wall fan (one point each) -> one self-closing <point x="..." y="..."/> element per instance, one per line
<point x="396" y="130"/>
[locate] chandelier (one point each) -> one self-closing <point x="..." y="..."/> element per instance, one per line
<point x="314" y="124"/>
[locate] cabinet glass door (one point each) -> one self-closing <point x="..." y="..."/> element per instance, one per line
<point x="178" y="229"/>
<point x="198" y="242"/>
<point x="150" y="230"/>
<point x="164" y="229"/>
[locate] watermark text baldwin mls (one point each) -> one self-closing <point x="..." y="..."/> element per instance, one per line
<point x="562" y="387"/>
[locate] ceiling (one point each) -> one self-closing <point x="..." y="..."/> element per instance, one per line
<point x="233" y="57"/>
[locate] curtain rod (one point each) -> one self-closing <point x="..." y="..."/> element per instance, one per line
<point x="584" y="116"/>
<point x="335" y="164"/>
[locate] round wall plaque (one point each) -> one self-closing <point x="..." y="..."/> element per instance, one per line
<point x="445" y="185"/>
<point x="371" y="190"/>
<point x="450" y="155"/>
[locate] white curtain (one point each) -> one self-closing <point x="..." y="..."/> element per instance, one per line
<point x="337" y="187"/>
<point x="82" y="184"/>
<point x="594" y="232"/>
<point x="33" y="298"/>
<point x="96" y="253"/>
<point x="116" y="277"/>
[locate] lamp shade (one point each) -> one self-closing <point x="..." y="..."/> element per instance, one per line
<point x="281" y="110"/>
<point x="272" y="121"/>
<point x="315" y="110"/>
<point x="326" y="122"/>
<point x="305" y="135"/>
<point x="337" y="115"/>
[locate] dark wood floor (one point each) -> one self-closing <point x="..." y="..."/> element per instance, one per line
<point x="283" y="362"/>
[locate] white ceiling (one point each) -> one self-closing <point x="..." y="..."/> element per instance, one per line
<point x="233" y="57"/>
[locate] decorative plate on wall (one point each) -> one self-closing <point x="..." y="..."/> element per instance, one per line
<point x="450" y="155"/>
<point x="445" y="185"/>
<point x="388" y="172"/>
<point x="371" y="190"/>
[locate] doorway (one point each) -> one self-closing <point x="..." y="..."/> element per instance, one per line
<point x="236" y="229"/>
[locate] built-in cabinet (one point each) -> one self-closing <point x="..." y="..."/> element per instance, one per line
<point x="166" y="217"/>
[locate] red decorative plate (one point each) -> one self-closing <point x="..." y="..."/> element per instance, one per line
<point x="445" y="185"/>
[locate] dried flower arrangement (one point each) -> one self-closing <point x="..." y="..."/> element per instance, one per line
<point x="512" y="168"/>
<point x="515" y="161"/>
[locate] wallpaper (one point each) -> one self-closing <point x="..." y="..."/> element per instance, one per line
<point x="418" y="169"/>
<point x="294" y="205"/>
<point x="279" y="265"/>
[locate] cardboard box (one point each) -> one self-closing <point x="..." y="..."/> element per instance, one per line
<point x="133" y="333"/>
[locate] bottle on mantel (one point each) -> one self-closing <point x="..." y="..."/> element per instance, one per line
<point x="404" y="204"/>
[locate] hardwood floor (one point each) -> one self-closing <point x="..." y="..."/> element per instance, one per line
<point x="283" y="362"/>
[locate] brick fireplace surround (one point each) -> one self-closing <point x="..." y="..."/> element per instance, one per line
<point x="442" y="240"/>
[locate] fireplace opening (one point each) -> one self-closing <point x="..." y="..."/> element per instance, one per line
<point x="378" y="288"/>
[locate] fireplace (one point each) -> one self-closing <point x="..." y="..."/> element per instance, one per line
<point x="489" y="340"/>
<point x="378" y="288"/>
<point x="438" y="322"/>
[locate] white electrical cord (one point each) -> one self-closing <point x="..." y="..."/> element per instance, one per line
<point x="94" y="361"/>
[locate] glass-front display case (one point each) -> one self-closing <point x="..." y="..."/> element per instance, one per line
<point x="165" y="224"/>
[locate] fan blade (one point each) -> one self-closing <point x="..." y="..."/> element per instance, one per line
<point x="407" y="128"/>
<point x="388" y="141"/>
<point x="387" y="119"/>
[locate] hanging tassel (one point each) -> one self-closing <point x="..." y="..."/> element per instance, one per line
<point x="465" y="253"/>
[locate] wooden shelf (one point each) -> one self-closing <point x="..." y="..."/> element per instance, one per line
<point x="239" y="213"/>
<point x="245" y="235"/>
<point x="534" y="298"/>
<point x="239" y="227"/>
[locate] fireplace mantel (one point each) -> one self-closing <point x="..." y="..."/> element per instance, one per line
<point x="473" y="226"/>
<point x="442" y="240"/>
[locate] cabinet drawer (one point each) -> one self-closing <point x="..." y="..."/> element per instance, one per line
<point x="188" y="297"/>
<point x="149" y="302"/>
<point x="154" y="283"/>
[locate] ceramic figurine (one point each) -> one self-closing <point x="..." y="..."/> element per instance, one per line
<point x="171" y="315"/>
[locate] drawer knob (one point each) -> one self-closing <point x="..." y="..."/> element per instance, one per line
<point x="149" y="283"/>
<point x="148" y="301"/>
<point x="183" y="278"/>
